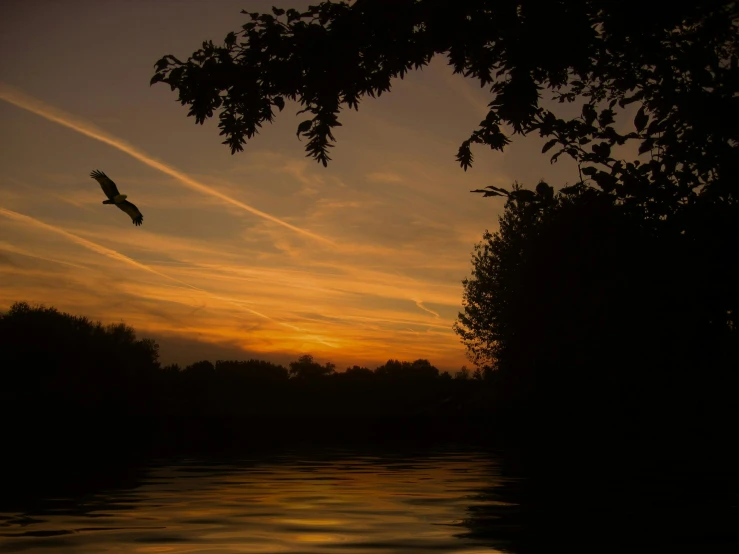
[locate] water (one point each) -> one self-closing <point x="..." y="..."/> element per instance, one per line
<point x="381" y="502"/>
<point x="337" y="502"/>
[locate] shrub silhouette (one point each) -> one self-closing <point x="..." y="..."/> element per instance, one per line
<point x="66" y="370"/>
<point x="597" y="320"/>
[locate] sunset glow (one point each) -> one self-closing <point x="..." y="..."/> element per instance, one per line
<point x="262" y="254"/>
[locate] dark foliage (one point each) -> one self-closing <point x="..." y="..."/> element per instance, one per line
<point x="59" y="440"/>
<point x="614" y="353"/>
<point x="601" y="323"/>
<point x="676" y="60"/>
<point x="58" y="362"/>
<point x="305" y="368"/>
<point x="64" y="368"/>
<point x="629" y="276"/>
<point x="80" y="401"/>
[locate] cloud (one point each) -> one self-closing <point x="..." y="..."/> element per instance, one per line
<point x="5" y="260"/>
<point x="42" y="109"/>
<point x="390" y="287"/>
<point x="83" y="242"/>
<point x="425" y="309"/>
<point x="384" y="177"/>
<point x="15" y="250"/>
<point x="174" y="348"/>
<point x="110" y="253"/>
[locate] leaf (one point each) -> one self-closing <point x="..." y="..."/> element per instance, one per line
<point x="492" y="191"/>
<point x="603" y="149"/>
<point x="588" y="113"/>
<point x="589" y="171"/>
<point x="654" y="127"/>
<point x="175" y="75"/>
<point x="549" y="145"/>
<point x="544" y="190"/>
<point x="464" y="155"/>
<point x="606" y="117"/>
<point x="640" y="121"/>
<point x="304" y="126"/>
<point x="162" y="63"/>
<point x="499" y="189"/>
<point x="523" y="194"/>
<point x="279" y="101"/>
<point x="646" y="146"/>
<point x="605" y="181"/>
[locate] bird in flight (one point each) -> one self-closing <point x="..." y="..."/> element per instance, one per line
<point x="114" y="197"/>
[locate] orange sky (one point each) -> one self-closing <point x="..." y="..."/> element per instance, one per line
<point x="265" y="253"/>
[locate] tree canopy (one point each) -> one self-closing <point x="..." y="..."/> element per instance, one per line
<point x="576" y="257"/>
<point x="582" y="308"/>
<point x="676" y="60"/>
<point x="306" y="368"/>
<point x="634" y="269"/>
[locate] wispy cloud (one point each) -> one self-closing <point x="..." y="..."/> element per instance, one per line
<point x="22" y="218"/>
<point x="384" y="177"/>
<point x="33" y="105"/>
<point x="393" y="205"/>
<point x="15" y="250"/>
<point x="110" y="253"/>
<point x="346" y="299"/>
<point x="425" y="309"/>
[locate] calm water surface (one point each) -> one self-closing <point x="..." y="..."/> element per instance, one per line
<point x="335" y="502"/>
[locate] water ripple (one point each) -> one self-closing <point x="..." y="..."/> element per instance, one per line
<point x="334" y="502"/>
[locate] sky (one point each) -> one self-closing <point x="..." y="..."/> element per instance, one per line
<point x="265" y="253"/>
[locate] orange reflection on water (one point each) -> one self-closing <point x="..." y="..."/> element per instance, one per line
<point x="343" y="502"/>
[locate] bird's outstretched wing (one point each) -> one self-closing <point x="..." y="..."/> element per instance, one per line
<point x="132" y="211"/>
<point x="109" y="188"/>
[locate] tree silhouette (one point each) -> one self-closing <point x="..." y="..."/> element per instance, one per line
<point x="485" y="324"/>
<point x="463" y="374"/>
<point x="203" y="368"/>
<point x="633" y="271"/>
<point x="76" y="396"/>
<point x="57" y="362"/>
<point x="306" y="368"/>
<point x="584" y="307"/>
<point x="61" y="350"/>
<point x="78" y="400"/>
<point x="418" y="370"/>
<point x="677" y="61"/>
<point x="358" y="373"/>
<point x="251" y="372"/>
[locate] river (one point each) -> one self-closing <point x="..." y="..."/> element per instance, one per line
<point x="379" y="501"/>
<point x="331" y="501"/>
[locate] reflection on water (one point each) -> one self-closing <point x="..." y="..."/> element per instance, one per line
<point x="336" y="502"/>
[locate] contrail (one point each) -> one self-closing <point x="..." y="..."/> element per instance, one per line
<point x="15" y="250"/>
<point x="95" y="247"/>
<point x="22" y="100"/>
<point x="425" y="309"/>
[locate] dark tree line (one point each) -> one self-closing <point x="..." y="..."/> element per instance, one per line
<point x="613" y="300"/>
<point x="60" y="366"/>
<point x="59" y="363"/>
<point x="80" y="400"/>
<point x="599" y="324"/>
